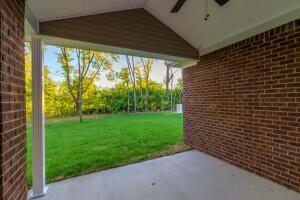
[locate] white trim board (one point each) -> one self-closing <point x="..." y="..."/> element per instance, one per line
<point x="57" y="41"/>
<point x="31" y="19"/>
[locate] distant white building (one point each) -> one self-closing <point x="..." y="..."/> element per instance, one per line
<point x="179" y="108"/>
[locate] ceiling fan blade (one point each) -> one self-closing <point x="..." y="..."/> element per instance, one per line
<point x="221" y="2"/>
<point x="177" y="6"/>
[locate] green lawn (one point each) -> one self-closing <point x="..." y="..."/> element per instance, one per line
<point x="106" y="141"/>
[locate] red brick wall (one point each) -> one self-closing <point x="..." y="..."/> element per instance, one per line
<point x="12" y="102"/>
<point x="242" y="104"/>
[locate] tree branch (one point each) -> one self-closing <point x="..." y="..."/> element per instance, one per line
<point x="67" y="67"/>
<point x="88" y="66"/>
<point x="93" y="78"/>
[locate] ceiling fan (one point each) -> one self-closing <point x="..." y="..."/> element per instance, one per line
<point x="180" y="3"/>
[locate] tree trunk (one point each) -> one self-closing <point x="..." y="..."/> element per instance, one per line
<point x="134" y="83"/>
<point x="171" y="100"/>
<point x="167" y="86"/>
<point x="179" y="98"/>
<point x="80" y="82"/>
<point x="79" y="109"/>
<point x="80" y="112"/>
<point x="167" y="80"/>
<point x="147" y="69"/>
<point x="162" y="98"/>
<point x="131" y="68"/>
<point x="146" y="97"/>
<point x="141" y="94"/>
<point x="174" y="101"/>
<point x="134" y="97"/>
<point x="80" y="105"/>
<point x="128" y="101"/>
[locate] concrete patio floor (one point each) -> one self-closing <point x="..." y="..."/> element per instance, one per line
<point x="189" y="175"/>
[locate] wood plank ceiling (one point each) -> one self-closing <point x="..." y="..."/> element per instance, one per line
<point x="134" y="29"/>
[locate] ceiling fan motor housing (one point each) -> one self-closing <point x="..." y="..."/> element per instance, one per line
<point x="180" y="3"/>
<point x="221" y="2"/>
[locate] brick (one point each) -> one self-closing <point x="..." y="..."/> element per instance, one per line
<point x="247" y="112"/>
<point x="13" y="181"/>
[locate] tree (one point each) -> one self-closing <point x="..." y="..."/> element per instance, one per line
<point x="139" y="80"/>
<point x="147" y="66"/>
<point x="120" y="98"/>
<point x="124" y="76"/>
<point x="80" y="69"/>
<point x="132" y="71"/>
<point x="50" y="92"/>
<point x="28" y="80"/>
<point x="179" y="89"/>
<point x="170" y="72"/>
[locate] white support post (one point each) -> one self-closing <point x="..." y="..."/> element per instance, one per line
<point x="38" y="119"/>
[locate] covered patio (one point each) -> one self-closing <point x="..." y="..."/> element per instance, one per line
<point x="241" y="113"/>
<point x="128" y="30"/>
<point x="189" y="175"/>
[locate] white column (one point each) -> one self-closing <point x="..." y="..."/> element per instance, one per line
<point x="38" y="119"/>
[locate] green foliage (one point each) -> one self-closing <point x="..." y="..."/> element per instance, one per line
<point x="114" y="100"/>
<point x="28" y="81"/>
<point x="57" y="102"/>
<point x="61" y="97"/>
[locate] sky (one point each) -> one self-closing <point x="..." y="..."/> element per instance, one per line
<point x="157" y="74"/>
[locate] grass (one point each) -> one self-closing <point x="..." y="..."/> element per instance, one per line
<point x="106" y="141"/>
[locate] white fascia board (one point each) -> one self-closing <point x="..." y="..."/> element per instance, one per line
<point x="57" y="41"/>
<point x="31" y="23"/>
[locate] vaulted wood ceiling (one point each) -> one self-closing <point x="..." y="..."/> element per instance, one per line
<point x="235" y="20"/>
<point x="133" y="29"/>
